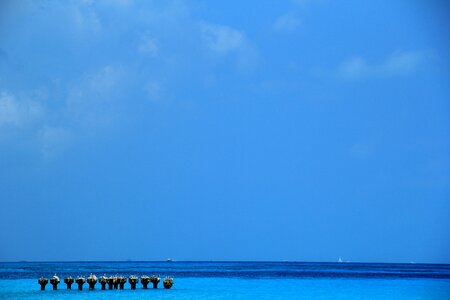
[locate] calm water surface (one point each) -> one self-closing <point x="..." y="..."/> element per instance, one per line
<point x="237" y="280"/>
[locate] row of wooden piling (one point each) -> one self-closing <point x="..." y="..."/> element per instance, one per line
<point x="113" y="282"/>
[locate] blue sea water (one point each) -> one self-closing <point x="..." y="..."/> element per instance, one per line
<point x="236" y="280"/>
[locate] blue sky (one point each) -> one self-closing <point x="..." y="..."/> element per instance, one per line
<point x="199" y="130"/>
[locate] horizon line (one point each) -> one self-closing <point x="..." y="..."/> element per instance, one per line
<point x="223" y="261"/>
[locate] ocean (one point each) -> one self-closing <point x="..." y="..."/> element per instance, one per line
<point x="235" y="280"/>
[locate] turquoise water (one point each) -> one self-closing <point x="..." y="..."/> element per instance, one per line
<point x="237" y="280"/>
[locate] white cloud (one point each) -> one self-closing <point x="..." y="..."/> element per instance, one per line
<point x="93" y="86"/>
<point x="153" y="89"/>
<point x="224" y="40"/>
<point x="90" y="102"/>
<point x="52" y="140"/>
<point x="9" y="110"/>
<point x="286" y="22"/>
<point x="17" y="113"/>
<point x="102" y="80"/>
<point x="102" y="68"/>
<point x="86" y="19"/>
<point x="402" y="62"/>
<point x="354" y="68"/>
<point x="148" y="45"/>
<point x="398" y="63"/>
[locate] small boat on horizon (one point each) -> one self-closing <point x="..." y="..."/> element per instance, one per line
<point x="169" y="259"/>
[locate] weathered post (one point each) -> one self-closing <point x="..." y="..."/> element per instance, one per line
<point x="80" y="281"/>
<point x="103" y="280"/>
<point x="144" y="281"/>
<point x="155" y="280"/>
<point x="69" y="280"/>
<point x="168" y="282"/>
<point x="43" y="282"/>
<point x="110" y="281"/>
<point x="133" y="280"/>
<point x="116" y="282"/>
<point x="122" y="280"/>
<point x="54" y="281"/>
<point x="92" y="280"/>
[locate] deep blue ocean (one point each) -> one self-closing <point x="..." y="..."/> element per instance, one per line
<point x="236" y="280"/>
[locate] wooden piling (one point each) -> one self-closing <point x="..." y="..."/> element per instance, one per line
<point x="122" y="280"/>
<point x="43" y="282"/>
<point x="103" y="280"/>
<point x="144" y="281"/>
<point x="133" y="280"/>
<point x="92" y="280"/>
<point x="80" y="281"/>
<point x="155" y="280"/>
<point x="168" y="282"/>
<point x="54" y="281"/>
<point x="69" y="281"/>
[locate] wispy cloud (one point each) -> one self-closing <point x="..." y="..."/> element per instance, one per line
<point x="86" y="19"/>
<point x="224" y="40"/>
<point x="154" y="90"/>
<point x="14" y="112"/>
<point x="104" y="64"/>
<point x="53" y="140"/>
<point x="148" y="45"/>
<point x="398" y="63"/>
<point x="286" y="23"/>
<point x="27" y="116"/>
<point x="91" y="99"/>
